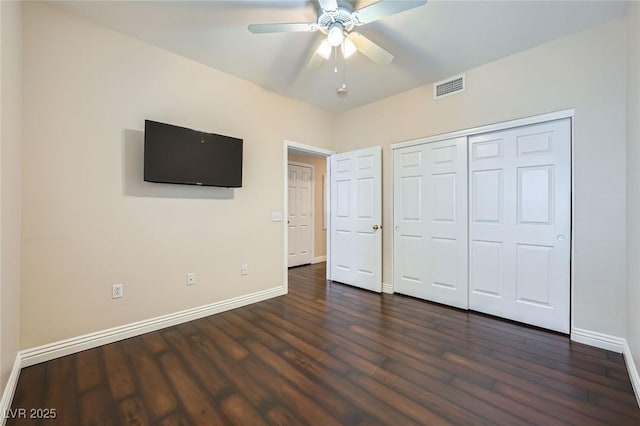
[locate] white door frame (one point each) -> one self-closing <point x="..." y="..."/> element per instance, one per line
<point x="308" y="149"/>
<point x="313" y="206"/>
<point x="536" y="119"/>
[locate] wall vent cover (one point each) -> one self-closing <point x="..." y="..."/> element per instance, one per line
<point x="449" y="86"/>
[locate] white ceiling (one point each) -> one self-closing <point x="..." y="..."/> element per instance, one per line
<point x="431" y="42"/>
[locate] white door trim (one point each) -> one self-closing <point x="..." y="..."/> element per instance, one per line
<point x="313" y="205"/>
<point x="535" y="119"/>
<point x="309" y="149"/>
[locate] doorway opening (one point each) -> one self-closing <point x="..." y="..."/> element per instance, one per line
<point x="306" y="205"/>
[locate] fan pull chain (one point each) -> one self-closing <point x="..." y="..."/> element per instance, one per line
<point x="342" y="90"/>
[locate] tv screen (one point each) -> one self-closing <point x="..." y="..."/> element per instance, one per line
<point x="174" y="154"/>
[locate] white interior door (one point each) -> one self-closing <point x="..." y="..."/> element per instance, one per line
<point x="519" y="227"/>
<point x="430" y="222"/>
<point x="356" y="218"/>
<point x="300" y="220"/>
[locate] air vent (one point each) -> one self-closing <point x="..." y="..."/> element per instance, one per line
<point x="448" y="87"/>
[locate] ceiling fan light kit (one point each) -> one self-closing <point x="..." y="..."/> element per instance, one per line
<point x="348" y="48"/>
<point x="335" y="35"/>
<point x="325" y="49"/>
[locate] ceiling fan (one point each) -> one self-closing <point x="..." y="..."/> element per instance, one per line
<point x="337" y="19"/>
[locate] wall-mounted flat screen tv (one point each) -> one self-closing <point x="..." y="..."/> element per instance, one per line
<point x="174" y="154"/>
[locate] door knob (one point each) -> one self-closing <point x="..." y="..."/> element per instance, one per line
<point x="375" y="227"/>
<point x="561" y="238"/>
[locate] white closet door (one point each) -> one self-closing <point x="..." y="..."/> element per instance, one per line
<point x="356" y="218"/>
<point x="519" y="224"/>
<point x="300" y="219"/>
<point x="430" y="215"/>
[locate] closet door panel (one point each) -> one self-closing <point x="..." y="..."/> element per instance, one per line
<point x="430" y="222"/>
<point x="519" y="229"/>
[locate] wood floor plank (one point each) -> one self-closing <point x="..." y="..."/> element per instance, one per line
<point x="154" y="342"/>
<point x="117" y="371"/>
<point x="60" y="382"/>
<point x="407" y="406"/>
<point x="131" y="412"/>
<point x="536" y="392"/>
<point x="302" y="340"/>
<point x="226" y="342"/>
<point x="97" y="408"/>
<point x="552" y="406"/>
<point x="207" y="374"/>
<point x="469" y="402"/>
<point x="154" y="389"/>
<point x="29" y="395"/>
<point x="254" y="332"/>
<point x="240" y="412"/>
<point x="337" y="406"/>
<point x="305" y="406"/>
<point x="589" y="382"/>
<point x="280" y="416"/>
<point x="437" y="404"/>
<point x="527" y="413"/>
<point x="175" y="419"/>
<point x="327" y="354"/>
<point x="197" y="403"/>
<point x="88" y="369"/>
<point x="233" y="371"/>
<point x="361" y="399"/>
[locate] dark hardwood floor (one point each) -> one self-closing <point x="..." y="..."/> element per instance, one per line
<point x="329" y="354"/>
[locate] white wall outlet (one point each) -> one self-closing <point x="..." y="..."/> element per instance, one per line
<point x="244" y="269"/>
<point x="276" y="217"/>
<point x="117" y="291"/>
<point x="191" y="278"/>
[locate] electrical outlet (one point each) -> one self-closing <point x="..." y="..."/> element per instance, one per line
<point x="191" y="278"/>
<point x="117" y="291"/>
<point x="276" y="217"/>
<point x="244" y="269"/>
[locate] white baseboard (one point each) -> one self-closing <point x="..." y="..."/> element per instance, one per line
<point x="318" y="259"/>
<point x="10" y="389"/>
<point x="92" y="340"/>
<point x="599" y="340"/>
<point x="387" y="288"/>
<point x="633" y="371"/>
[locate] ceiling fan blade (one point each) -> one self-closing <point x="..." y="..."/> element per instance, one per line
<point x="368" y="48"/>
<point x="383" y="8"/>
<point x="282" y="28"/>
<point x="328" y="4"/>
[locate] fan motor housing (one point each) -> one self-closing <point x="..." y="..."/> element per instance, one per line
<point x="342" y="16"/>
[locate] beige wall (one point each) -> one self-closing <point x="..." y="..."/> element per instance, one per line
<point x="320" y="234"/>
<point x="10" y="186"/>
<point x="585" y="71"/>
<point x="89" y="221"/>
<point x="633" y="180"/>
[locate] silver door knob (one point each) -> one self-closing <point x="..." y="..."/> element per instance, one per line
<point x="561" y="238"/>
<point x="397" y="228"/>
<point x="375" y="227"/>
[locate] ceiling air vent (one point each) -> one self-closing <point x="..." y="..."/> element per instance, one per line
<point x="448" y="87"/>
